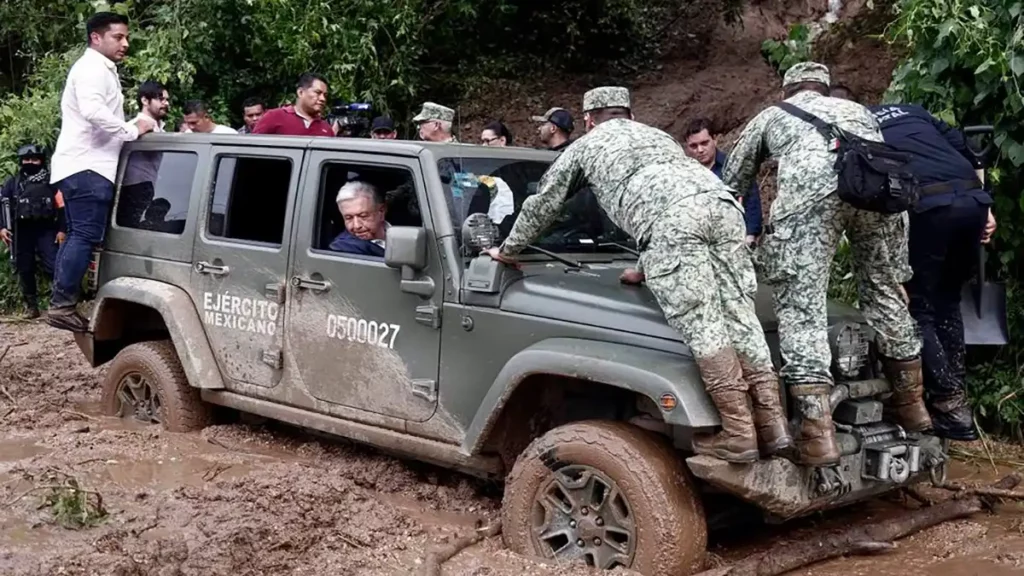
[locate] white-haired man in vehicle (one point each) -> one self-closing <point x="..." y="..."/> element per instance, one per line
<point x="363" y="211"/>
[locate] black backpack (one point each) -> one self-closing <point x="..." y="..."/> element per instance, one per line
<point x="873" y="176"/>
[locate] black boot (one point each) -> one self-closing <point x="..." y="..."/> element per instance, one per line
<point x="67" y="318"/>
<point x="952" y="417"/>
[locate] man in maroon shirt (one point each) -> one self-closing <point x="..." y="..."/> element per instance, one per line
<point x="303" y="118"/>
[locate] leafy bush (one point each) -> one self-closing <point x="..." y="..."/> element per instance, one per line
<point x="794" y="49"/>
<point x="965" y="63"/>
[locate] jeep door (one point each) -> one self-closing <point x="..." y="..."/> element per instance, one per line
<point x="240" y="260"/>
<point x="356" y="338"/>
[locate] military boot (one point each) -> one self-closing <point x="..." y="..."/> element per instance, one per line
<point x="816" y="442"/>
<point x="952" y="417"/>
<point x="906" y="405"/>
<point x="769" y="417"/>
<point x="723" y="380"/>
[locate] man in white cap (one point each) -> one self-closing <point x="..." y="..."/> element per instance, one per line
<point x="807" y="220"/>
<point x="435" y="122"/>
<point x="690" y="232"/>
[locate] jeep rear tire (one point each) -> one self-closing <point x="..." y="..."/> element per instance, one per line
<point x="145" y="381"/>
<point x="608" y="493"/>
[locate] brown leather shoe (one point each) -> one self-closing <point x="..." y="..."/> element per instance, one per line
<point x="769" y="417"/>
<point x="816" y="442"/>
<point x="906" y="405"/>
<point x="723" y="380"/>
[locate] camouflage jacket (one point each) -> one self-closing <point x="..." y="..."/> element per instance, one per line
<point x="635" y="171"/>
<point x="806" y="172"/>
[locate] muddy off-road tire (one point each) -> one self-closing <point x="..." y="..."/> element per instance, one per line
<point x="609" y="493"/>
<point x="145" y="381"/>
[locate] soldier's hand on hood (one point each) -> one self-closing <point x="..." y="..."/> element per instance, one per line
<point x="495" y="253"/>
<point x="631" y="276"/>
<point x="990" y="228"/>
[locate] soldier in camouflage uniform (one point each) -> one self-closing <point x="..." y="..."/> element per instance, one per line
<point x="690" y="231"/>
<point x="435" y="123"/>
<point x="807" y="220"/>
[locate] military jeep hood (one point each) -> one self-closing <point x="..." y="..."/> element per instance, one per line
<point x="595" y="297"/>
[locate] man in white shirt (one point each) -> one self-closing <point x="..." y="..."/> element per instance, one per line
<point x="197" y="119"/>
<point x="84" y="162"/>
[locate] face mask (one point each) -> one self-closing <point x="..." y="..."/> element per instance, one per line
<point x="31" y="169"/>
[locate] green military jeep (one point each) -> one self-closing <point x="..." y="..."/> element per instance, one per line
<point x="217" y="285"/>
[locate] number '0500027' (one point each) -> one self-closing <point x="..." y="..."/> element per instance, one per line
<point x="362" y="331"/>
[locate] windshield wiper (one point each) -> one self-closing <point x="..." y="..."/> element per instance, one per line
<point x="567" y="261"/>
<point x="622" y="247"/>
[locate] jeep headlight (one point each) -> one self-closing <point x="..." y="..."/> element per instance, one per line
<point x="849" y="349"/>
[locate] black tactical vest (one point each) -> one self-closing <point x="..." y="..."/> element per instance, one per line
<point x="36" y="201"/>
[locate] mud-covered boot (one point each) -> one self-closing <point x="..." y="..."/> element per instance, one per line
<point x="952" y="417"/>
<point x="769" y="417"/>
<point x="816" y="442"/>
<point x="723" y="380"/>
<point x="906" y="406"/>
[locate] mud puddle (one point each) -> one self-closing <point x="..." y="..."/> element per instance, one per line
<point x="251" y="498"/>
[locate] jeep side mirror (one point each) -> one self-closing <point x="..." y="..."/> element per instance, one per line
<point x="406" y="246"/>
<point x="406" y="249"/>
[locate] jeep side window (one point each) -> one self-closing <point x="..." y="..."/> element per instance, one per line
<point x="155" y="191"/>
<point x="250" y="198"/>
<point x="395" y="191"/>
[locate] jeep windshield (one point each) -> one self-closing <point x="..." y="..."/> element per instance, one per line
<point x="498" y="186"/>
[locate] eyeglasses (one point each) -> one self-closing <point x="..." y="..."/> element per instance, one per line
<point x="489" y="141"/>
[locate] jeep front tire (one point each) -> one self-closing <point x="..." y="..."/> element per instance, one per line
<point x="145" y="381"/>
<point x="608" y="493"/>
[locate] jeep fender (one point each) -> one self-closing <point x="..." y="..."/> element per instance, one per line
<point x="179" y="313"/>
<point x="641" y="370"/>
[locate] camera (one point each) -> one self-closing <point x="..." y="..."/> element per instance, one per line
<point x="353" y="119"/>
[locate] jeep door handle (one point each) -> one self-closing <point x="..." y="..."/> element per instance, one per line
<point x="207" y="268"/>
<point x="310" y="284"/>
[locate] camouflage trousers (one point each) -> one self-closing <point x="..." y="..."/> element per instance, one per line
<point x="699" y="268"/>
<point x="795" y="259"/>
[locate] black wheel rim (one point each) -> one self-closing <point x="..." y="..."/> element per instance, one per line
<point x="138" y="399"/>
<point x="580" y="513"/>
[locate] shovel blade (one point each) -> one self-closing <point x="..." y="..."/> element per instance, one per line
<point x="984" y="314"/>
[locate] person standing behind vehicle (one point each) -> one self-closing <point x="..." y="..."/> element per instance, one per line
<point x="84" y="162"/>
<point x="305" y="117"/>
<point x="383" y="128"/>
<point x="198" y="120"/>
<point x="703" y="147"/>
<point x="807" y="219"/>
<point x="556" y="125"/>
<point x="37" y="225"/>
<point x="496" y="134"/>
<point x="689" y="228"/>
<point x="252" y="111"/>
<point x="434" y="123"/>
<point x="947" y="227"/>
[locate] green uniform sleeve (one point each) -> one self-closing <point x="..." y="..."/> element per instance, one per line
<point x="745" y="158"/>
<point x="540" y="210"/>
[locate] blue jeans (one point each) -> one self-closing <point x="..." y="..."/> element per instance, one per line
<point x="87" y="200"/>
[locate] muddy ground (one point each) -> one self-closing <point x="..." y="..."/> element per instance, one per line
<point x="247" y="498"/>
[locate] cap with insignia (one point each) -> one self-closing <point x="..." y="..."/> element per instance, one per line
<point x="432" y="111"/>
<point x="807" y="72"/>
<point x="558" y="116"/>
<point x="606" y="97"/>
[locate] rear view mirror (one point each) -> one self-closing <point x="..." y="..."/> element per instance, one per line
<point x="406" y="246"/>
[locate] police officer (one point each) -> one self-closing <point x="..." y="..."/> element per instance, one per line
<point x="807" y="220"/>
<point x="947" y="227"/>
<point x="690" y="230"/>
<point x="36" y="221"/>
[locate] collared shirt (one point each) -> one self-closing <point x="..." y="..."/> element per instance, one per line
<point x="92" y="127"/>
<point x="143" y="165"/>
<point x="561" y="146"/>
<point x="751" y="200"/>
<point x="288" y="122"/>
<point x="244" y="130"/>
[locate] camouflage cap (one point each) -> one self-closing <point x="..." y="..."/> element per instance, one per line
<point x="807" y="72"/>
<point x="432" y="111"/>
<point x="606" y="97"/>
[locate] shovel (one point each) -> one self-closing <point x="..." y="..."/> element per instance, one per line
<point x="983" y="304"/>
